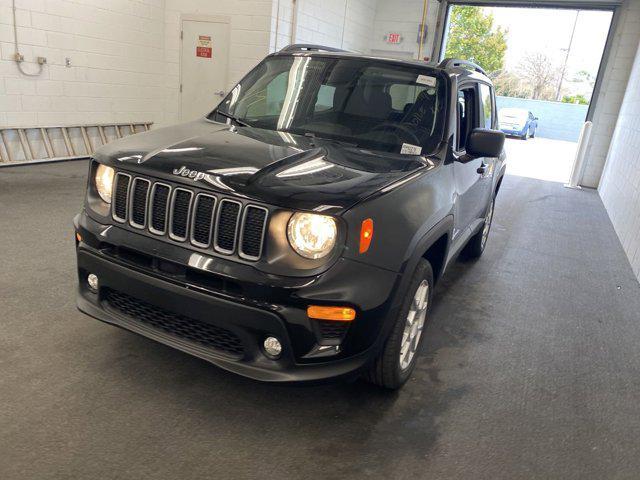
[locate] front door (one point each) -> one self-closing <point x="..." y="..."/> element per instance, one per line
<point x="204" y="64"/>
<point x="471" y="199"/>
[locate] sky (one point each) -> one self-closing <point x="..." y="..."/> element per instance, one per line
<point x="547" y="30"/>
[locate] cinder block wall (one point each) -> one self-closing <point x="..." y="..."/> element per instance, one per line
<point x="623" y="50"/>
<point x="620" y="185"/>
<point x="334" y="23"/>
<point x="117" y="66"/>
<point x="124" y="57"/>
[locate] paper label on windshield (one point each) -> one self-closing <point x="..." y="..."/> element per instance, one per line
<point x="426" y="80"/>
<point x="408" y="149"/>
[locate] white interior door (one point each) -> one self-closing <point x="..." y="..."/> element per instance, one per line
<point x="203" y="66"/>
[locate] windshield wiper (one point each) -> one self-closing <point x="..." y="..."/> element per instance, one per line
<point x="233" y="119"/>
<point x="345" y="143"/>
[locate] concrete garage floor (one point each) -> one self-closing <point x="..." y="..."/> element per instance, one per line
<point x="531" y="366"/>
<point x="541" y="158"/>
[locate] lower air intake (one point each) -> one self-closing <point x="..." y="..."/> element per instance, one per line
<point x="216" y="338"/>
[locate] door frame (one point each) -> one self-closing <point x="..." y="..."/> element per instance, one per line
<point x="196" y="17"/>
<point x="602" y="5"/>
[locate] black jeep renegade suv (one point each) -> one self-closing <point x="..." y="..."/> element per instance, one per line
<point x="296" y="233"/>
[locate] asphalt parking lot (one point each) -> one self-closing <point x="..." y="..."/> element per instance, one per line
<point x="530" y="367"/>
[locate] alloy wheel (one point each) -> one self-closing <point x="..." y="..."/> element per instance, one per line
<point x="414" y="325"/>
<point x="487" y="225"/>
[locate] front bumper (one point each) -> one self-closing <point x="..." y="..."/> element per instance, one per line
<point x="247" y="304"/>
<point x="514" y="133"/>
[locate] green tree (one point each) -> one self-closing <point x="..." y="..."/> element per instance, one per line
<point x="580" y="99"/>
<point x="472" y="37"/>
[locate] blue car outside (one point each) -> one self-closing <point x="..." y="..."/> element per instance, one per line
<point x="517" y="122"/>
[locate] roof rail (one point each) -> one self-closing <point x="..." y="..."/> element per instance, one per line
<point x="456" y="62"/>
<point x="307" y="47"/>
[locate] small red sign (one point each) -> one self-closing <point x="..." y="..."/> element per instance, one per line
<point x="203" y="49"/>
<point x="204" y="52"/>
<point x="394" y="38"/>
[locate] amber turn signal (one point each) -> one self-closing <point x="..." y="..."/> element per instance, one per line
<point x="366" y="234"/>
<point x="338" y="314"/>
<point x="78" y="237"/>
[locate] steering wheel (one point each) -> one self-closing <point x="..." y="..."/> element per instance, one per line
<point x="400" y="128"/>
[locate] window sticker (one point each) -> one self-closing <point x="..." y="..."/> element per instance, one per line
<point x="408" y="149"/>
<point x="426" y="80"/>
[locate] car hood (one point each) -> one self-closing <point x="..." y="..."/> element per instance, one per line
<point x="273" y="167"/>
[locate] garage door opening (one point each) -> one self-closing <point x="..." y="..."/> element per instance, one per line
<point x="544" y="64"/>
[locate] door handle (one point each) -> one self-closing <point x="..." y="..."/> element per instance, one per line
<point x="220" y="93"/>
<point x="482" y="168"/>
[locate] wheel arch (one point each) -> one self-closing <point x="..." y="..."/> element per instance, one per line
<point x="433" y="247"/>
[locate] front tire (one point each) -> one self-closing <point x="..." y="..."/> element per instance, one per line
<point x="478" y="242"/>
<point x="395" y="363"/>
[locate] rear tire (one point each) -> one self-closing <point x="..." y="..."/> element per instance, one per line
<point x="476" y="245"/>
<point x="394" y="364"/>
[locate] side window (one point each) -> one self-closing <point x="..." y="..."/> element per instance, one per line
<point x="325" y="98"/>
<point x="487" y="105"/>
<point x="467" y="116"/>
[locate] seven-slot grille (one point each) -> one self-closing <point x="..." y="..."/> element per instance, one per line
<point x="182" y="214"/>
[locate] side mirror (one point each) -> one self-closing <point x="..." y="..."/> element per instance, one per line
<point x="483" y="142"/>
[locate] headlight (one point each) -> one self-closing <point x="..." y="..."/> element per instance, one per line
<point x="104" y="182"/>
<point x="312" y="235"/>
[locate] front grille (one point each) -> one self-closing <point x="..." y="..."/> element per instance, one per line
<point x="203" y="220"/>
<point x="180" y="326"/>
<point x="227" y="226"/>
<point x="121" y="199"/>
<point x="332" y="329"/>
<point x="252" y="230"/>
<point x="159" y="208"/>
<point x="182" y="214"/>
<point x="181" y="207"/>
<point x="138" y="207"/>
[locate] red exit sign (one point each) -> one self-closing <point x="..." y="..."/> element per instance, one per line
<point x="394" y="38"/>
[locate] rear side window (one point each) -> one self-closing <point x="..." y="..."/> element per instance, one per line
<point x="487" y="105"/>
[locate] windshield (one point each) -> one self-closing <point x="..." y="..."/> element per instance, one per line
<point x="367" y="103"/>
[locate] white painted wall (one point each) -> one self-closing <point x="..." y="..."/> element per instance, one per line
<point x="124" y="56"/>
<point x="117" y="57"/>
<point x="250" y="37"/>
<point x="620" y="185"/>
<point x="623" y="51"/>
<point x="334" y="23"/>
<point x="403" y="17"/>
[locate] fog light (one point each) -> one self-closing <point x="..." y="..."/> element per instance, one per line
<point x="272" y="347"/>
<point x="92" y="281"/>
